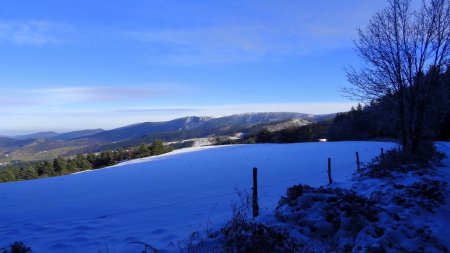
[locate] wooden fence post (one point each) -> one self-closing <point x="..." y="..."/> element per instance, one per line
<point x="330" y="180"/>
<point x="255" y="193"/>
<point x="358" y="165"/>
<point x="382" y="151"/>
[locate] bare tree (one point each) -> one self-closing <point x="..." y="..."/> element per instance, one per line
<point x="400" y="47"/>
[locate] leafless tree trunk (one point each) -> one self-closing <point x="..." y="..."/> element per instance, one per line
<point x="399" y="47"/>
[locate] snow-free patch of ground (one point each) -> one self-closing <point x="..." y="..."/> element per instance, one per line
<point x="161" y="200"/>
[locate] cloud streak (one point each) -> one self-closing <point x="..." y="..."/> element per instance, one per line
<point x="277" y="30"/>
<point x="33" y="119"/>
<point x="237" y="44"/>
<point x="32" y="32"/>
<point x="75" y="95"/>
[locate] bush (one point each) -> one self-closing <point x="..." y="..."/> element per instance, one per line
<point x="17" y="247"/>
<point x="347" y="222"/>
<point x="245" y="236"/>
<point x="426" y="193"/>
<point x="242" y="235"/>
<point x="396" y="160"/>
<point x="342" y="212"/>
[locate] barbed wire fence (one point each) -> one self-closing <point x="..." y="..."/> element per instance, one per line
<point x="210" y="197"/>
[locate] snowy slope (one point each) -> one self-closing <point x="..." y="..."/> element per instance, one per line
<point x="161" y="200"/>
<point x="395" y="211"/>
<point x="441" y="219"/>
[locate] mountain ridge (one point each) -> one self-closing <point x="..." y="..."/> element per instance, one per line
<point x="209" y="124"/>
<point x="52" y="144"/>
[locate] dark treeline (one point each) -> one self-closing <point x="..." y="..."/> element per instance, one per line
<point x="368" y="122"/>
<point x="63" y="166"/>
<point x="308" y="133"/>
<point x="379" y="119"/>
<point x="376" y="120"/>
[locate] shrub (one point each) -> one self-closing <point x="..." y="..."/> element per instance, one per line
<point x="396" y="160"/>
<point x="242" y="235"/>
<point x="342" y="212"/>
<point x="17" y="247"/>
<point x="347" y="222"/>
<point x="245" y="236"/>
<point x="426" y="193"/>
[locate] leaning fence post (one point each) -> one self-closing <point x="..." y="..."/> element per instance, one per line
<point x="382" y="151"/>
<point x="358" y="165"/>
<point x="255" y="193"/>
<point x="330" y="180"/>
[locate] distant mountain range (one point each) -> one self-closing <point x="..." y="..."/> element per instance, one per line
<point x="58" y="136"/>
<point x="47" y="145"/>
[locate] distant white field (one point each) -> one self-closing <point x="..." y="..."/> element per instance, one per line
<point x="161" y="200"/>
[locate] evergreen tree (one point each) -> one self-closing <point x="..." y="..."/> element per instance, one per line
<point x="143" y="151"/>
<point x="106" y="158"/>
<point x="46" y="169"/>
<point x="82" y="162"/>
<point x="71" y="166"/>
<point x="7" y="175"/>
<point x="158" y="148"/>
<point x="60" y="165"/>
<point x="30" y="173"/>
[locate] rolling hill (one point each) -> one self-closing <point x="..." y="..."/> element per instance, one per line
<point x="196" y="126"/>
<point x="40" y="135"/>
<point x="76" y="134"/>
<point x="47" y="145"/>
<point x="162" y="199"/>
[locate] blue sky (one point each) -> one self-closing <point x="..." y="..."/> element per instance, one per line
<point x="67" y="64"/>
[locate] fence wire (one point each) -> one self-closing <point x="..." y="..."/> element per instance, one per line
<point x="139" y="210"/>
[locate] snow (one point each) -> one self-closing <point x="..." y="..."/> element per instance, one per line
<point x="197" y="142"/>
<point x="400" y="212"/>
<point x="441" y="219"/>
<point x="161" y="200"/>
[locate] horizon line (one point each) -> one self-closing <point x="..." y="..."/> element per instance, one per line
<point x="3" y="133"/>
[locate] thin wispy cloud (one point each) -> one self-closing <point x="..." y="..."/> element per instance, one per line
<point x="166" y="111"/>
<point x="113" y="112"/>
<point x="33" y="32"/>
<point x="110" y="117"/>
<point x="170" y="112"/>
<point x="72" y="67"/>
<point x="236" y="44"/>
<point x="289" y="30"/>
<point x="323" y="107"/>
<point x="74" y="95"/>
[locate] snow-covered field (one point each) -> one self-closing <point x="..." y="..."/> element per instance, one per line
<point x="441" y="218"/>
<point x="161" y="200"/>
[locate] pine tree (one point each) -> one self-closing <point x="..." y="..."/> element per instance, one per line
<point x="7" y="175"/>
<point x="46" y="169"/>
<point x="82" y="162"/>
<point x="30" y="173"/>
<point x="158" y="147"/>
<point x="60" y="166"/>
<point x="143" y="151"/>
